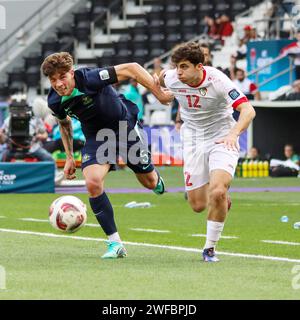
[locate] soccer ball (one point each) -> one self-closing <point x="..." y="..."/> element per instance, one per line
<point x="67" y="214"/>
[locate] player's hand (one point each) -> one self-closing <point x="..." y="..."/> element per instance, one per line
<point x="230" y="142"/>
<point x="165" y="96"/>
<point x="70" y="169"/>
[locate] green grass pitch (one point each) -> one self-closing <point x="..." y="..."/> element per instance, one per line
<point x="40" y="266"/>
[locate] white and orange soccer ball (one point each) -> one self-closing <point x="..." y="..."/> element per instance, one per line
<point x="67" y="214"/>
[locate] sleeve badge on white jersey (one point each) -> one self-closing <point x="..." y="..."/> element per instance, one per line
<point x="233" y="94"/>
<point x="104" y="74"/>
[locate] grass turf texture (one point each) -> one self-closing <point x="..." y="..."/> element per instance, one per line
<point x="58" y="268"/>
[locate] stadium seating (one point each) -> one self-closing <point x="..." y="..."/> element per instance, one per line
<point x="167" y="23"/>
<point x="16" y="80"/>
<point x="4" y="91"/>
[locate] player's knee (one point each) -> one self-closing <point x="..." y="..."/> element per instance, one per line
<point x="94" y="187"/>
<point x="218" y="194"/>
<point x="197" y="206"/>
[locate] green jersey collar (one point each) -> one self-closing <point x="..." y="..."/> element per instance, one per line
<point x="75" y="93"/>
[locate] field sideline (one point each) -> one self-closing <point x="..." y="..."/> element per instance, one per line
<point x="164" y="244"/>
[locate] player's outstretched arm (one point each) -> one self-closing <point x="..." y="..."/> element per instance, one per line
<point x="66" y="131"/>
<point x="247" y="114"/>
<point x="134" y="70"/>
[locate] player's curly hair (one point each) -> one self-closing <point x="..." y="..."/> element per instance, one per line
<point x="57" y="62"/>
<point x="190" y="51"/>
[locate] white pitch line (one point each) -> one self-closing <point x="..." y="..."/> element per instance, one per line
<point x="268" y="204"/>
<point x="282" y="242"/>
<point x="45" y="220"/>
<point x="94" y="225"/>
<point x="150" y="230"/>
<point x="241" y="255"/>
<point x="204" y="236"/>
<point x="33" y="220"/>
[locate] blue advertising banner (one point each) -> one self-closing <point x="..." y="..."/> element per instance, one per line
<point x="259" y="53"/>
<point x="22" y="177"/>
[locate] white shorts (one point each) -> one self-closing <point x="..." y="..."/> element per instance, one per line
<point x="201" y="157"/>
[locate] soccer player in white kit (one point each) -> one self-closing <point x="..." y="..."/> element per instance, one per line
<point x="209" y="134"/>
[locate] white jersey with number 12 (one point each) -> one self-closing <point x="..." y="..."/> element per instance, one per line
<point x="209" y="105"/>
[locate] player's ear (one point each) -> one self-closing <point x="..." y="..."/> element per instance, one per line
<point x="72" y="73"/>
<point x="199" y="66"/>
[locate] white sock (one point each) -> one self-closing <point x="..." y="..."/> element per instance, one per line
<point x="213" y="233"/>
<point x="114" y="237"/>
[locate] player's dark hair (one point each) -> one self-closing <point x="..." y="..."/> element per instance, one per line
<point x="190" y="51"/>
<point x="60" y="62"/>
<point x="204" y="45"/>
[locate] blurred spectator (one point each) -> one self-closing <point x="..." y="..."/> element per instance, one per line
<point x="254" y="154"/>
<point x="284" y="7"/>
<point x="272" y="13"/>
<point x="230" y="72"/>
<point x="3" y="145"/>
<point x="133" y="94"/>
<point x="287" y="168"/>
<point x="242" y="46"/>
<point x="38" y="132"/>
<point x="293" y="50"/>
<point x="253" y="35"/>
<point x="290" y="154"/>
<point x="225" y="28"/>
<point x="211" y="28"/>
<point x="247" y="34"/>
<point x="157" y="69"/>
<point x="157" y="66"/>
<point x="277" y="11"/>
<point x="246" y="85"/>
<point x="291" y="95"/>
<point x="273" y="95"/>
<point x="56" y="142"/>
<point x="207" y="54"/>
